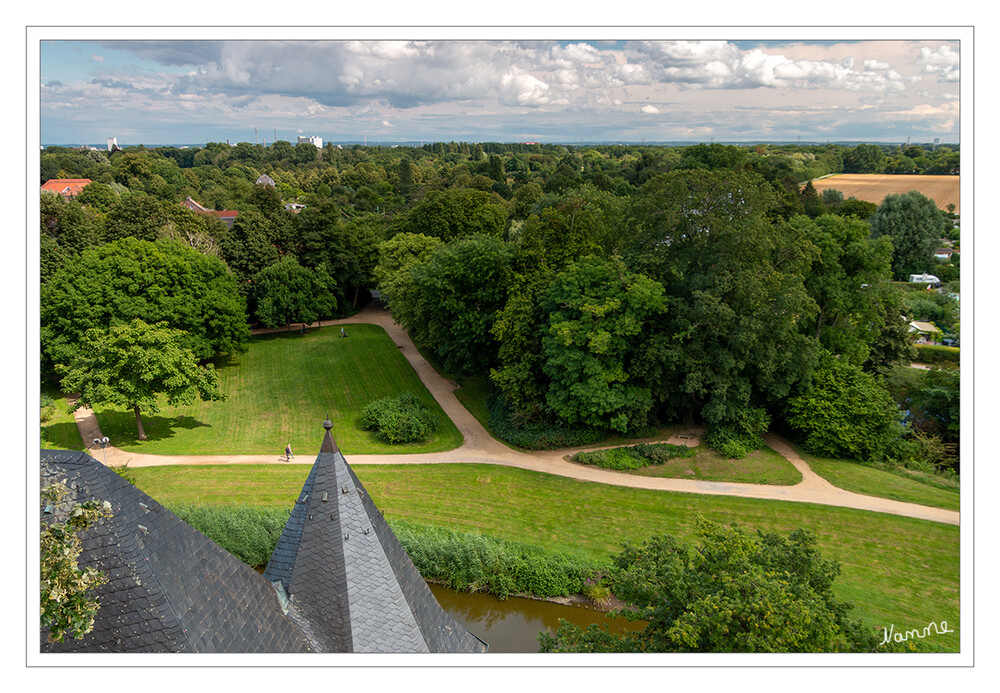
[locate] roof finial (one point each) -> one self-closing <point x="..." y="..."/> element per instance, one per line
<point x="327" y="424"/>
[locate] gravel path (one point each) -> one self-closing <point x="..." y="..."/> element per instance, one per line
<point x="480" y="447"/>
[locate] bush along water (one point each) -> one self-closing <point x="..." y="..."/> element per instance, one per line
<point x="464" y="561"/>
<point x="401" y="419"/>
<point x="472" y="562"/>
<point x="634" y="457"/>
<point x="248" y="533"/>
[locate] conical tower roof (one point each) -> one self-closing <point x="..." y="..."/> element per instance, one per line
<point x="350" y="585"/>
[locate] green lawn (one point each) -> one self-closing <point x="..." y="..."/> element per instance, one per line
<point x="896" y="570"/>
<point x="280" y="391"/>
<point x="764" y="466"/>
<point x="851" y="476"/>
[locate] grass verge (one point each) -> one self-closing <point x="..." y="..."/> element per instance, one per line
<point x="896" y="570"/>
<point x="858" y="478"/>
<point x="280" y="391"/>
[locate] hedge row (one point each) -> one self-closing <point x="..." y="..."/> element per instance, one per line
<point x="932" y="353"/>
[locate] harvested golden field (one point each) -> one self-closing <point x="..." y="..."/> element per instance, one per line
<point x="874" y="187"/>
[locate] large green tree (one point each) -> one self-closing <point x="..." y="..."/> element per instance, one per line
<point x="730" y="342"/>
<point x="736" y="591"/>
<point x="397" y="257"/>
<point x="849" y="278"/>
<point x="846" y="413"/>
<point x="598" y="315"/>
<point x="915" y="226"/>
<point x="457" y="213"/>
<point x="287" y="292"/>
<point x="155" y="282"/>
<point x="137" y="366"/>
<point x="456" y="297"/>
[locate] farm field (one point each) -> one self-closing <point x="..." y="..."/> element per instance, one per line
<point x="874" y="187"/>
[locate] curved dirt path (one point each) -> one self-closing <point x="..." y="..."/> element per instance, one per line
<point x="479" y="447"/>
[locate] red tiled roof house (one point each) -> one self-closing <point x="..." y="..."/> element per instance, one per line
<point x="67" y="187"/>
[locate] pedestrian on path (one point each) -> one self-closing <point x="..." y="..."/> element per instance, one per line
<point x="288" y="452"/>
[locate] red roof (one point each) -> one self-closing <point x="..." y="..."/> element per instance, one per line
<point x="67" y="187"/>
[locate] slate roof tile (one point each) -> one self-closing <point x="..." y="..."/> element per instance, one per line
<point x="160" y="595"/>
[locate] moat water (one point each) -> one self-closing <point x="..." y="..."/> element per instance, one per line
<point x="513" y="624"/>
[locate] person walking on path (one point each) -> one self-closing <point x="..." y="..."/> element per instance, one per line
<point x="288" y="452"/>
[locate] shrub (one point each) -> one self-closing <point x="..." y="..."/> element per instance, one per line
<point x="536" y="435"/>
<point x="401" y="419"/>
<point x="47" y="406"/>
<point x="634" y="457"/>
<point x="731" y="443"/>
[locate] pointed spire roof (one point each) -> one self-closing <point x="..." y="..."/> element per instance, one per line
<point x="350" y="585"/>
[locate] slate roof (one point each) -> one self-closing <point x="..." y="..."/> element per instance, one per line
<point x="170" y="588"/>
<point x="350" y="584"/>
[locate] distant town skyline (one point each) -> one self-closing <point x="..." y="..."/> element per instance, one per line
<point x="408" y="91"/>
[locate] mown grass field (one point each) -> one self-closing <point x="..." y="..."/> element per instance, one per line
<point x="280" y="391"/>
<point x="896" y="570"/>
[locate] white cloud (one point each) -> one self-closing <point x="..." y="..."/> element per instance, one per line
<point x="943" y="62"/>
<point x="522" y="89"/>
<point x="652" y="110"/>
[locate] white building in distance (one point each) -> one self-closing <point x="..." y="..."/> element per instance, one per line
<point x="314" y="140"/>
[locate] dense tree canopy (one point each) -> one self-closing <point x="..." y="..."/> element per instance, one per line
<point x="455" y="298"/>
<point x="730" y="341"/>
<point x="498" y="256"/>
<point x="735" y="591"/>
<point x="457" y="213"/>
<point x="848" y="276"/>
<point x="156" y="282"/>
<point x="846" y="413"/>
<point x="598" y="315"/>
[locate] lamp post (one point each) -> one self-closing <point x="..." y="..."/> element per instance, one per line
<point x="103" y="442"/>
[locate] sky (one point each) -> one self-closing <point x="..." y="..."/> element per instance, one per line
<point x="383" y="89"/>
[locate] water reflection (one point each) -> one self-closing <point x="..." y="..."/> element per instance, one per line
<point x="512" y="625"/>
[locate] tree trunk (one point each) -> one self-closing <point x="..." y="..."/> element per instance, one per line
<point x="138" y="423"/>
